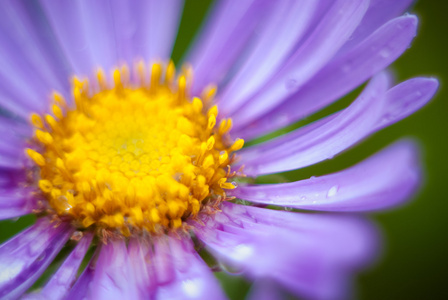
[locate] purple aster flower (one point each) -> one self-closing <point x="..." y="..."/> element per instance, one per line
<point x="143" y="166"/>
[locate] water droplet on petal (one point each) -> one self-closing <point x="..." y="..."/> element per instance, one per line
<point x="332" y="191"/>
<point x="291" y="84"/>
<point x="384" y="53"/>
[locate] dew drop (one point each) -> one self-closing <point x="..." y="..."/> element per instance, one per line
<point x="230" y="269"/>
<point x="384" y="53"/>
<point x="41" y="257"/>
<point x="259" y="195"/>
<point x="346" y="68"/>
<point x="332" y="191"/>
<point x="288" y="208"/>
<point x="192" y="287"/>
<point x="291" y="84"/>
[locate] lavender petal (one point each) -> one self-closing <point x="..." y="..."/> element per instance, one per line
<point x="331" y="33"/>
<point x="340" y="76"/>
<point x="146" y="29"/>
<point x="82" y="286"/>
<point x="315" y="264"/>
<point x="406" y="98"/>
<point x="281" y="32"/>
<point x="192" y="277"/>
<point x="15" y="204"/>
<point x="26" y="256"/>
<point x="61" y="282"/>
<point x="226" y="32"/>
<point x="296" y="150"/>
<point x="113" y="278"/>
<point x="31" y="46"/>
<point x="384" y="180"/>
<point x="379" y="13"/>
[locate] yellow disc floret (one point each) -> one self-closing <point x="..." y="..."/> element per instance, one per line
<point x="132" y="157"/>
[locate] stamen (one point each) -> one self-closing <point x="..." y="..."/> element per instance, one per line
<point x="133" y="158"/>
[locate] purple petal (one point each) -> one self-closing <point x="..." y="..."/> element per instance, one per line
<point x="340" y="76"/>
<point x="8" y="162"/>
<point x="113" y="278"/>
<point x="81" y="288"/>
<point x="331" y="33"/>
<point x="15" y="203"/>
<point x="61" y="282"/>
<point x="85" y="31"/>
<point x="406" y="98"/>
<point x="162" y="265"/>
<point x="264" y="289"/>
<point x="276" y="39"/>
<point x="105" y="34"/>
<point x="379" y="12"/>
<point x="26" y="256"/>
<point x="12" y="146"/>
<point x="30" y="57"/>
<point x="192" y="277"/>
<point x="296" y="150"/>
<point x="146" y="29"/>
<point x="140" y="261"/>
<point x="17" y="128"/>
<point x="311" y="255"/>
<point x="225" y="33"/>
<point x="68" y="24"/>
<point x="10" y="181"/>
<point x="384" y="180"/>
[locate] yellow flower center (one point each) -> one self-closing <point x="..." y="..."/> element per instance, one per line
<point x="132" y="158"/>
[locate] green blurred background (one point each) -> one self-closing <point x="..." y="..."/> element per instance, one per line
<point x="414" y="261"/>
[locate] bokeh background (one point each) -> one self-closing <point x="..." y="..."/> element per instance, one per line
<point x="414" y="262"/>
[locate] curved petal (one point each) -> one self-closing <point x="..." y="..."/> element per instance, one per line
<point x="19" y="129"/>
<point x="379" y="12"/>
<point x="406" y="98"/>
<point x="140" y="260"/>
<point x="315" y="263"/>
<point x="30" y="58"/>
<point x="146" y="29"/>
<point x="192" y="277"/>
<point x="340" y="76"/>
<point x="8" y="162"/>
<point x="26" y="256"/>
<point x="331" y="33"/>
<point x="81" y="288"/>
<point x="225" y="33"/>
<point x="67" y="23"/>
<point x="61" y="282"/>
<point x="384" y="180"/>
<point x="107" y="33"/>
<point x="296" y="150"/>
<point x="85" y="32"/>
<point x="280" y="34"/>
<point x="15" y="203"/>
<point x="113" y="278"/>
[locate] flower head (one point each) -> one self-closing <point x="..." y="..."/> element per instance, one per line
<point x="114" y="150"/>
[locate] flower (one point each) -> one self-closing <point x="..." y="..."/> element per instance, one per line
<point x="143" y="166"/>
